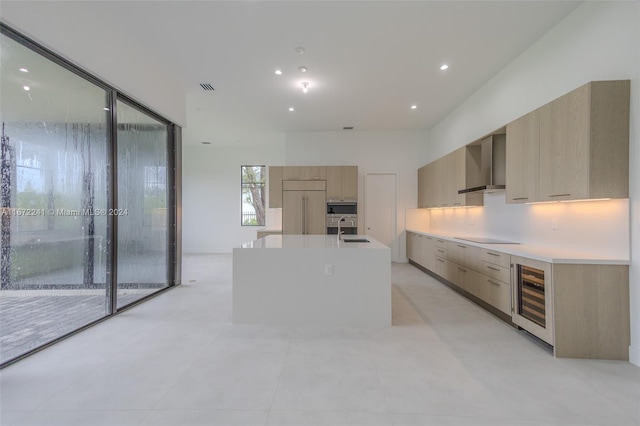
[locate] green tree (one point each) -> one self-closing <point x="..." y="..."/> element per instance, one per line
<point x="253" y="190"/>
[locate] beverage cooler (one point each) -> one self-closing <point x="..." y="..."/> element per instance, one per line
<point x="532" y="307"/>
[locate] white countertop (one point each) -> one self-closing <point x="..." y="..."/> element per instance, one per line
<point x="312" y="241"/>
<point x="544" y="254"/>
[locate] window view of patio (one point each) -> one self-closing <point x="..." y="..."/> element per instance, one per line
<point x="61" y="215"/>
<point x="54" y="180"/>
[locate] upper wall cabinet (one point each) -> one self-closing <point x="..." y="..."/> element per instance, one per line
<point x="584" y="143"/>
<point x="574" y="148"/>
<point x="440" y="180"/>
<point x="341" y="181"/>
<point x="523" y="153"/>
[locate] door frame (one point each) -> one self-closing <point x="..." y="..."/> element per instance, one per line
<point x="396" y="241"/>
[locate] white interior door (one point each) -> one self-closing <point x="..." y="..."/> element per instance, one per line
<point x="380" y="206"/>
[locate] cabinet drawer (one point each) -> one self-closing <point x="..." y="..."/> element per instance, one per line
<point x="496" y="271"/>
<point x="441" y="252"/>
<point x="497" y="293"/>
<point x="495" y="257"/>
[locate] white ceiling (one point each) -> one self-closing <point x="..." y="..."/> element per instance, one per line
<point x="368" y="61"/>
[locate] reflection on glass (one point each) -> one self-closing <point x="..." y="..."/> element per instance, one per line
<point x="142" y="204"/>
<point x="53" y="173"/>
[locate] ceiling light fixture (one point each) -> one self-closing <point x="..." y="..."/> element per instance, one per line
<point x="414" y="106"/>
<point x="278" y="72"/>
<point x="24" y="70"/>
<point x="27" y="88"/>
<point x="105" y="108"/>
<point x="291" y="109"/>
<point x="305" y="87"/>
<point x="303" y="69"/>
<point x="444" y="67"/>
<point x="299" y="50"/>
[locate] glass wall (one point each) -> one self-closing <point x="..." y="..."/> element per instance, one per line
<point x="142" y="204"/>
<point x="60" y="217"/>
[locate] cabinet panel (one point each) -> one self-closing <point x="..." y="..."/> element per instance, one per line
<point x="497" y="293"/>
<point x="349" y="183"/>
<point x="422" y="187"/>
<point x="275" y="187"/>
<point x="428" y="253"/>
<point x="498" y="272"/>
<point x="293" y="173"/>
<point x="315" y="172"/>
<point x="495" y="257"/>
<point x="334" y="183"/>
<point x="523" y="154"/>
<point x="304" y="212"/>
<point x="564" y="153"/>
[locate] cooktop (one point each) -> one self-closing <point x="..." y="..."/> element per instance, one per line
<point x="484" y="240"/>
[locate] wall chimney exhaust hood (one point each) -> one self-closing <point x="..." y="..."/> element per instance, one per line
<point x="493" y="158"/>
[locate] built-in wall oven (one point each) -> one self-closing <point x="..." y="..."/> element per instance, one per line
<point x="532" y="307"/>
<point x="345" y="213"/>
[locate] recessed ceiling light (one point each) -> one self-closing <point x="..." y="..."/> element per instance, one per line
<point x="105" y="108"/>
<point x="444" y="67"/>
<point x="24" y="70"/>
<point x="305" y="86"/>
<point x="414" y="106"/>
<point x="303" y="69"/>
<point x="291" y="109"/>
<point x="278" y="72"/>
<point x="27" y="88"/>
<point x="300" y="50"/>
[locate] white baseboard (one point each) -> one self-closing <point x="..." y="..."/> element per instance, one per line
<point x="634" y="355"/>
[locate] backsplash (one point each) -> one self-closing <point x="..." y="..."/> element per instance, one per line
<point x="590" y="226"/>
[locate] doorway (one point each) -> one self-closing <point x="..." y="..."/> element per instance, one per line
<point x="380" y="204"/>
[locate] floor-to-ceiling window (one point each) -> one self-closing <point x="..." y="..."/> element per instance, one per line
<point x="78" y="241"/>
<point x="142" y="204"/>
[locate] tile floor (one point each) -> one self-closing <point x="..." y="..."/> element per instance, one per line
<point x="177" y="360"/>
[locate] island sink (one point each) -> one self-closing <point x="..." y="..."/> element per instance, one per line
<point x="355" y="240"/>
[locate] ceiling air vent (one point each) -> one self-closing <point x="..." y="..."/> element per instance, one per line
<point x="207" y="86"/>
<point x="347" y="128"/>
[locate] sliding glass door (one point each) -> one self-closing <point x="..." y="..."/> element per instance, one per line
<point x="86" y="199"/>
<point x="142" y="204"/>
<point x="53" y="180"/>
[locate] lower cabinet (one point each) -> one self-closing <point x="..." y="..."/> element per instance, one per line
<point x="477" y="271"/>
<point x="583" y="307"/>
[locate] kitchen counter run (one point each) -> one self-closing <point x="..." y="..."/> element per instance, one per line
<point x="544" y="254"/>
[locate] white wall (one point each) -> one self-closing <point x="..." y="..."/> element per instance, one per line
<point x="107" y="56"/>
<point x="211" y="193"/>
<point x="372" y="152"/>
<point x="598" y="41"/>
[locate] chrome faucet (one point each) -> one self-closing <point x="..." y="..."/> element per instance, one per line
<point x="342" y="218"/>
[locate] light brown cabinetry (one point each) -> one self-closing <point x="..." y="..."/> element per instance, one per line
<point x="584" y="143"/>
<point x="482" y="273"/>
<point x="304" y="207"/>
<point x="275" y="187"/>
<point x="440" y="180"/>
<point x="582" y="310"/>
<point x="523" y="156"/>
<point x="574" y="148"/>
<point x="342" y="183"/>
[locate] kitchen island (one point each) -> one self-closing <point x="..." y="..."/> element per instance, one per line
<point x="312" y="280"/>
